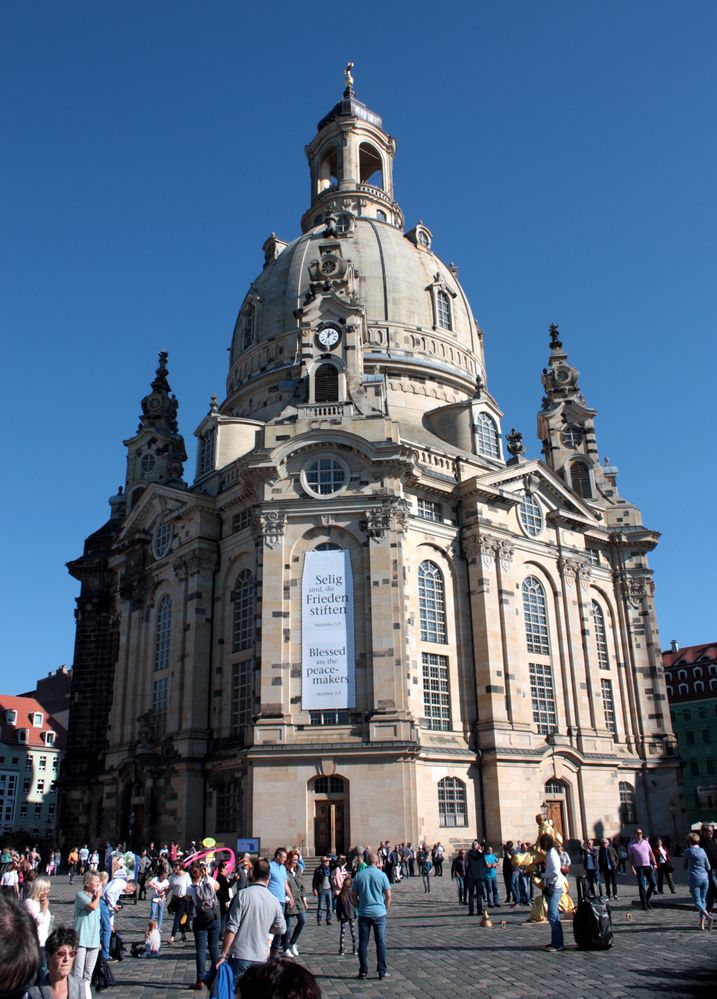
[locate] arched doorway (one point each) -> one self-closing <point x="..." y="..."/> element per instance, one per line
<point x="555" y="805"/>
<point x="330" y="796"/>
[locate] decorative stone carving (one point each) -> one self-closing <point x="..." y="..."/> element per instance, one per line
<point x="573" y="569"/>
<point x="506" y="551"/>
<point x="637" y="588"/>
<point x="391" y="515"/>
<point x="272" y="527"/>
<point x="470" y="547"/>
<point x="488" y="550"/>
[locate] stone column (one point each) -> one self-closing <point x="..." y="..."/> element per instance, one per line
<point x="273" y="607"/>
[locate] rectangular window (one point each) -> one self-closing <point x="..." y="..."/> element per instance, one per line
<point x="694" y="768"/>
<point x="51" y="810"/>
<point x="542" y="698"/>
<point x="160" y="703"/>
<point x="28" y="762"/>
<point x="593" y="556"/>
<point x="430" y="510"/>
<point x="709" y="765"/>
<point x="26" y="785"/>
<point x="8" y="794"/>
<point x="23" y="810"/>
<point x="37" y="720"/>
<point x="42" y="763"/>
<point x="436" y="692"/>
<point x="690" y="738"/>
<point x="38" y="810"/>
<point x="329" y="717"/>
<point x="242" y="695"/>
<point x="54" y="762"/>
<point x="608" y="705"/>
<point x="40" y="787"/>
<point x="241" y="520"/>
<point x="706" y="736"/>
<point x="228" y="817"/>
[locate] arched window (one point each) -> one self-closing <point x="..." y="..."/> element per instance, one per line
<point x="443" y="310"/>
<point x="452" y="810"/>
<point x="600" y="636"/>
<point x="329" y="785"/>
<point x="248" y="325"/>
<point x="669" y="690"/>
<point x="205" y="462"/>
<point x="536" y="617"/>
<point x="244" y="598"/>
<point x="326" y="176"/>
<point x="713" y="684"/>
<point x="326" y="383"/>
<point x="531" y="516"/>
<point x="697" y="673"/>
<point x="580" y="479"/>
<point x="381" y="216"/>
<point x="163" y="633"/>
<point x="432" y="603"/>
<point x="370" y="166"/>
<point x="487" y="436"/>
<point x="699" y="687"/>
<point x="628" y="814"/>
<point x="682" y="690"/>
<point x="554" y="789"/>
<point x="681" y="674"/>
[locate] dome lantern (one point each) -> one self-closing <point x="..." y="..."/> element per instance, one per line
<point x="351" y="164"/>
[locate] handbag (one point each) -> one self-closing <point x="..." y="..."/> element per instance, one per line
<point x="668" y="866"/>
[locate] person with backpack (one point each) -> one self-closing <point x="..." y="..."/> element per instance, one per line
<point x="206" y="923"/>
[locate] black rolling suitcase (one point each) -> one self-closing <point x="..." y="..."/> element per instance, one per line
<point x="592" y="924"/>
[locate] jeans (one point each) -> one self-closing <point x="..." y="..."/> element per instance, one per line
<point x="379" y="934"/>
<point x="289" y="939"/>
<point x="593" y="881"/>
<point x="156" y="911"/>
<point x="460" y="883"/>
<point x="473" y="892"/>
<point x="182" y="907"/>
<point x="556" y="930"/>
<point x="646" y="884"/>
<point x="698" y="891"/>
<point x="238" y="967"/>
<point x="426" y="881"/>
<point x="206" y="936"/>
<point x="515" y="887"/>
<point x="105" y="929"/>
<point x="324" y="900"/>
<point x="491" y="889"/>
<point x="610" y="879"/>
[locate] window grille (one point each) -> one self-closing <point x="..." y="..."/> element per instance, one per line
<point x="600" y="636"/>
<point x="580" y="479"/>
<point x="163" y="633"/>
<point x="432" y="603"/>
<point x="608" y="705"/>
<point x="628" y="814"/>
<point x="160" y="704"/>
<point x="536" y="617"/>
<point x="542" y="698"/>
<point x="242" y="695"/>
<point x="430" y="510"/>
<point x="531" y="516"/>
<point x="244" y="598"/>
<point x="436" y="692"/>
<point x="487" y="436"/>
<point x="443" y="310"/>
<point x="329" y="785"/>
<point x="452" y="810"/>
<point x="339" y="717"/>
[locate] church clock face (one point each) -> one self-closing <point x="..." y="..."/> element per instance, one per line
<point x="328" y="337"/>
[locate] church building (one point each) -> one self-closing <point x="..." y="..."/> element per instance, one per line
<point x="359" y="614"/>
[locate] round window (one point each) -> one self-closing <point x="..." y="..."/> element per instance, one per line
<point x="325" y="476"/>
<point x="531" y="516"/>
<point x="343" y="223"/>
<point x="572" y="436"/>
<point x="422" y="238"/>
<point x="162" y="538"/>
<point x="147" y="463"/>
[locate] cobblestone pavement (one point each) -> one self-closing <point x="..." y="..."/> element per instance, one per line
<point x="436" y="951"/>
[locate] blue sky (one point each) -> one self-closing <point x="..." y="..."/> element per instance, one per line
<point x="563" y="153"/>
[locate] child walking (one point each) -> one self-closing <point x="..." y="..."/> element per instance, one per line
<point x="346" y="913"/>
<point x="153" y="940"/>
<point x="426" y="867"/>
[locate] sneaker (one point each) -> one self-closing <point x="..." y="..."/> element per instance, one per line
<point x="553" y="950"/>
<point x="342" y="952"/>
<point x="362" y="974"/>
<point x="170" y="940"/>
<point x="386" y="974"/>
<point x="294" y="950"/>
<point x="288" y="952"/>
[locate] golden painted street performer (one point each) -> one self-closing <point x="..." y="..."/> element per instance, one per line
<point x="529" y="861"/>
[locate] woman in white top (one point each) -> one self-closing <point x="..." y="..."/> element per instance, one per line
<point x="552" y="890"/>
<point x="160" y="888"/>
<point x="38" y="904"/>
<point x="10" y="880"/>
<point x="179" y="882"/>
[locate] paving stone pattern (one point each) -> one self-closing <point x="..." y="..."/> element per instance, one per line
<point x="436" y="951"/>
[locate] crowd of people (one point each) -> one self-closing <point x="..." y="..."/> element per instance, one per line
<point x="256" y="914"/>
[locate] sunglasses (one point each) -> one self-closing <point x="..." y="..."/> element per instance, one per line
<point x="65" y="955"/>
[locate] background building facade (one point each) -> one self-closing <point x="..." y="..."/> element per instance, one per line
<point x="691" y="679"/>
<point x="365" y="617"/>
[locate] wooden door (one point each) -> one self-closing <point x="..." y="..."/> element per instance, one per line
<point x="322" y="827"/>
<point x="555" y="814"/>
<point x="329" y="827"/>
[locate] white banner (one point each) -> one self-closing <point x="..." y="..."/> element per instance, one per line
<point x="328" y="669"/>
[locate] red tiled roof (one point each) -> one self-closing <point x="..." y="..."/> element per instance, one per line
<point x="26" y="707"/>
<point x="690" y="654"/>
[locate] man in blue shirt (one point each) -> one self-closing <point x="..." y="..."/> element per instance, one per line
<point x="371" y="891"/>
<point x="280" y="890"/>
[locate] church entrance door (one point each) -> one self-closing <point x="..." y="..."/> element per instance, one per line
<point x="330" y="815"/>
<point x="555" y="814"/>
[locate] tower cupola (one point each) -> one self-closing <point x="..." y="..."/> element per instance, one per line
<point x="351" y="165"/>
